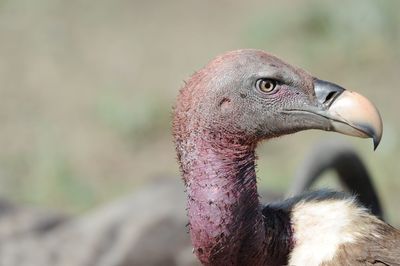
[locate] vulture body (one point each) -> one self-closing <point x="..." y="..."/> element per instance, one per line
<point x="27" y="235"/>
<point x="225" y="109"/>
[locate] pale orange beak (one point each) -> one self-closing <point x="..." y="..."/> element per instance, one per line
<point x="348" y="112"/>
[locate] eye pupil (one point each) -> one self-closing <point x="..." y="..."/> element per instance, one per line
<point x="266" y="85"/>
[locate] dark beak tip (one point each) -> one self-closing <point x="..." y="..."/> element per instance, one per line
<point x="373" y="133"/>
<point x="376" y="141"/>
<point x="375" y="145"/>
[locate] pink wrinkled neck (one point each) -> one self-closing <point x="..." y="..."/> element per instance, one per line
<point x="225" y="220"/>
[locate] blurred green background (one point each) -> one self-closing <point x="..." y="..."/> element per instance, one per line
<point x="86" y="87"/>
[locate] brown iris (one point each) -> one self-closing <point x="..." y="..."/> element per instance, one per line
<point x="266" y="85"/>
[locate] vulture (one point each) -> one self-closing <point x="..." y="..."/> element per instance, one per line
<point x="224" y="110"/>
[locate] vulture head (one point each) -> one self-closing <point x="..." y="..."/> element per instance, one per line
<point x="252" y="95"/>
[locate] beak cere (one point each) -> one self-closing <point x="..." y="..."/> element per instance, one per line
<point x="348" y="112"/>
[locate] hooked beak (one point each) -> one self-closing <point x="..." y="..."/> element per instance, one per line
<point x="348" y="112"/>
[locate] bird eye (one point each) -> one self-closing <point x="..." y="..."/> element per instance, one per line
<point x="266" y="85"/>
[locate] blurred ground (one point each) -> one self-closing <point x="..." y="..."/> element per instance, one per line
<point x="86" y="87"/>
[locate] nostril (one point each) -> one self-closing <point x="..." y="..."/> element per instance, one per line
<point x="330" y="96"/>
<point x="326" y="92"/>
